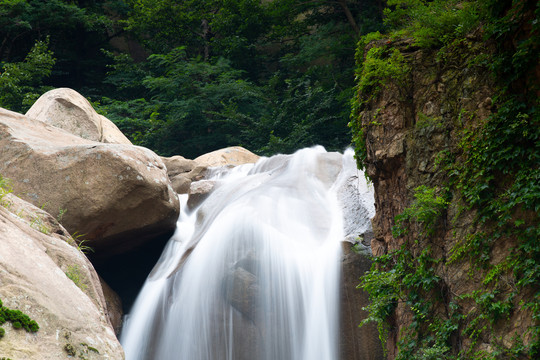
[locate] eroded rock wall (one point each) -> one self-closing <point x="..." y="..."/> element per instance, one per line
<point x="408" y="130"/>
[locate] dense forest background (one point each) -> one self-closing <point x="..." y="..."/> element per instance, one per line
<point x="189" y="77"/>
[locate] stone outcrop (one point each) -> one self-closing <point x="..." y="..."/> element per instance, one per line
<point x="116" y="195"/>
<point x="114" y="306"/>
<point x="182" y="172"/>
<point x="415" y="125"/>
<point x="356" y="342"/>
<point x="67" y="109"/>
<point x="45" y="275"/>
<point x="235" y="155"/>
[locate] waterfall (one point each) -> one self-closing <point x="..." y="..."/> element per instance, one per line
<point x="252" y="272"/>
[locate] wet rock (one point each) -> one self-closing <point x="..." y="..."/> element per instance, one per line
<point x="235" y="155"/>
<point x="199" y="191"/>
<point x="242" y="291"/>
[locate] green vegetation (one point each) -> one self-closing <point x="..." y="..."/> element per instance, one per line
<point x="77" y="241"/>
<point x="381" y="66"/>
<point x="70" y="350"/>
<point x="408" y="275"/>
<point x="194" y="76"/>
<point x="492" y="173"/>
<point x="18" y="319"/>
<point x="5" y="188"/>
<point x="18" y="90"/>
<point x="74" y="274"/>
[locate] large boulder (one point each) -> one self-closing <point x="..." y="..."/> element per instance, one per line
<point x="180" y="172"/>
<point x="53" y="283"/>
<point x="117" y="196"/>
<point x="67" y="109"/>
<point x="235" y="155"/>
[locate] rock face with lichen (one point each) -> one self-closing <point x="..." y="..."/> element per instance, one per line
<point x="409" y="129"/>
<point x="44" y="275"/>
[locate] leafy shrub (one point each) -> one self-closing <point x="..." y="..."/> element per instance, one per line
<point x="377" y="68"/>
<point x="424" y="212"/>
<point x="21" y="83"/>
<point x="432" y="23"/>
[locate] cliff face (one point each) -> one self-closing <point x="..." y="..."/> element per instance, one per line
<point x="413" y="128"/>
<point x="409" y="126"/>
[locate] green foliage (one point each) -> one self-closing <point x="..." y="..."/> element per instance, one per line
<point x="2" y="332"/>
<point x="300" y="112"/>
<point x="495" y="171"/>
<point x="74" y="274"/>
<point x="404" y="277"/>
<point x="432" y="23"/>
<point x="77" y="30"/>
<point x="499" y="177"/>
<point x="423" y="213"/>
<point x="408" y="276"/>
<point x="5" y="188"/>
<point x="384" y="293"/>
<point x="70" y="350"/>
<point x="21" y="82"/>
<point x="194" y="107"/>
<point x="18" y="319"/>
<point x="378" y="68"/>
<point x="38" y="224"/>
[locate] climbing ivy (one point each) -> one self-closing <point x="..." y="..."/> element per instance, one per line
<point x="495" y="172"/>
<point x="408" y="276"/>
<point x="377" y="68"/>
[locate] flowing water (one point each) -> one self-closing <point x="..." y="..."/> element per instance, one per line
<point x="252" y="272"/>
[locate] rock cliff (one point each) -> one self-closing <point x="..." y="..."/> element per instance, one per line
<point x="451" y="288"/>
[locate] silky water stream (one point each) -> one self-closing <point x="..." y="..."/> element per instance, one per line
<point x="252" y="273"/>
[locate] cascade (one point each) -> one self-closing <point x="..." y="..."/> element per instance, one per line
<point x="252" y="272"/>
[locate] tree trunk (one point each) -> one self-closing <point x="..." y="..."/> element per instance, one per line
<point x="349" y="16"/>
<point x="205" y="32"/>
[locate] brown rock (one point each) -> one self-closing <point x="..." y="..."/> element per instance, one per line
<point x="53" y="283"/>
<point x="178" y="165"/>
<point x="180" y="184"/>
<point x="198" y="173"/>
<point x="116" y="195"/>
<point x="114" y="306"/>
<point x="67" y="109"/>
<point x="235" y="155"/>
<point x="356" y="343"/>
<point x="199" y="191"/>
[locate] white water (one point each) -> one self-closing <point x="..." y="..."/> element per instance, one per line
<point x="253" y="273"/>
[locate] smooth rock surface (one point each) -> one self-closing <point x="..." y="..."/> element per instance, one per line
<point x="67" y="109"/>
<point x="35" y="258"/>
<point x="116" y="195"/>
<point x="235" y="155"/>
